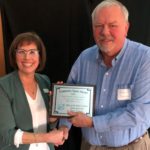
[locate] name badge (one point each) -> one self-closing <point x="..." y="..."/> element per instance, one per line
<point x="46" y="90"/>
<point x="124" y="94"/>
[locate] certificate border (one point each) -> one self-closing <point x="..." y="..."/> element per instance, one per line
<point x="55" y="87"/>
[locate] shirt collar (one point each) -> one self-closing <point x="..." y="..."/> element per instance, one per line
<point x="114" y="61"/>
<point x="122" y="51"/>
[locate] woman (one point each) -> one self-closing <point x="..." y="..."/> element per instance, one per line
<point x="24" y="99"/>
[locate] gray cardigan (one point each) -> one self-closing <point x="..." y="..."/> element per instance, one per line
<point x="14" y="109"/>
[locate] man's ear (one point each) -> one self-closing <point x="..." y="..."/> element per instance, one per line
<point x="127" y="28"/>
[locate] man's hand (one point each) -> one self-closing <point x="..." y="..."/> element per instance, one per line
<point x="79" y="119"/>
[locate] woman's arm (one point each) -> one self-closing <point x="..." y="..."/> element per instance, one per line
<point x="54" y="136"/>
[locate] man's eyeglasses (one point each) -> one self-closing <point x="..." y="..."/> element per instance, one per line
<point x="30" y="52"/>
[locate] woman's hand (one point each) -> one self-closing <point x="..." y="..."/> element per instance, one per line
<point x="65" y="131"/>
<point x="60" y="82"/>
<point x="56" y="137"/>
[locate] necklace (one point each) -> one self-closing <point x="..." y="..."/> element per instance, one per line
<point x="29" y="84"/>
<point x="31" y="88"/>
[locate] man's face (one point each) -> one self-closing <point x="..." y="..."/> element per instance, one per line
<point x="110" y="30"/>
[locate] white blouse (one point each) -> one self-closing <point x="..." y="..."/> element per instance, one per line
<point x="39" y="120"/>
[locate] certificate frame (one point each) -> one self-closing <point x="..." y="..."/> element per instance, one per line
<point x="71" y="97"/>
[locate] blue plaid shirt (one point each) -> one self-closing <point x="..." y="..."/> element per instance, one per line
<point x="122" y="104"/>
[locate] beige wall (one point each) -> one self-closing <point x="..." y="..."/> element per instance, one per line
<point x="2" y="59"/>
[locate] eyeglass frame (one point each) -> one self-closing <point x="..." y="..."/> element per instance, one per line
<point x="25" y="52"/>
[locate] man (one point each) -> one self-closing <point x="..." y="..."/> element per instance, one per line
<point x="119" y="69"/>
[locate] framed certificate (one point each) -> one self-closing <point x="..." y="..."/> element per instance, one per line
<point x="77" y="98"/>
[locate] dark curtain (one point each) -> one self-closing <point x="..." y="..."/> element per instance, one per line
<point x="65" y="27"/>
<point x="139" y="19"/>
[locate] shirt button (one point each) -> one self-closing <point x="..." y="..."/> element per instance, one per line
<point x="101" y="137"/>
<point x="102" y="106"/>
<point x="106" y="73"/>
<point x="104" y="90"/>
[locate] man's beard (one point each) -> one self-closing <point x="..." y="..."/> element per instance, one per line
<point x="104" y="48"/>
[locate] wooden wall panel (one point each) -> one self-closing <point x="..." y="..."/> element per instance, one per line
<point x="2" y="58"/>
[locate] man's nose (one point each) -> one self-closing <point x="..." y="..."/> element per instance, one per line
<point x="105" y="30"/>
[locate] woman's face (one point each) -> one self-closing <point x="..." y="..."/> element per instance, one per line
<point x="27" y="58"/>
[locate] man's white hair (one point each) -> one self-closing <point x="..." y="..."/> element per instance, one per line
<point x="107" y="3"/>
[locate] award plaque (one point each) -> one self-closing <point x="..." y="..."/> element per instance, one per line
<point x="77" y="98"/>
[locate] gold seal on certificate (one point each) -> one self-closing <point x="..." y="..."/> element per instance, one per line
<point x="77" y="98"/>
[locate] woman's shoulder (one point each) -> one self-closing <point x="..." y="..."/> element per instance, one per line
<point x="8" y="77"/>
<point x="42" y="77"/>
<point x="9" y="82"/>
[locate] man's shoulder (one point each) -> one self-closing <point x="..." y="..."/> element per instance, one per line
<point x="138" y="46"/>
<point x="138" y="52"/>
<point x="91" y="51"/>
<point x="93" y="48"/>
